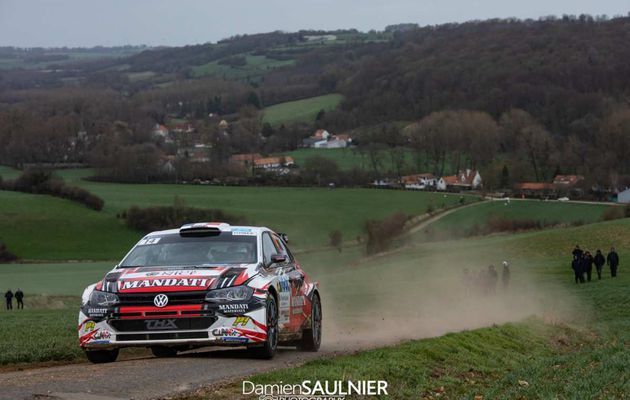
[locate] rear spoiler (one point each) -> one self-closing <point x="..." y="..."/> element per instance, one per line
<point x="203" y="229"/>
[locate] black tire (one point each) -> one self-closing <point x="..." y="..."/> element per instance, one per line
<point x="163" y="351"/>
<point x="312" y="338"/>
<point x="102" y="356"/>
<point x="268" y="349"/>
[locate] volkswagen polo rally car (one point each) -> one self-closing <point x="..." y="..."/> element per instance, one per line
<point x="202" y="284"/>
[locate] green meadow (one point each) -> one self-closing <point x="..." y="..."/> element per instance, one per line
<point x="304" y="110"/>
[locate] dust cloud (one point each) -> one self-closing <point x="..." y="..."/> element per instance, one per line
<point x="391" y="299"/>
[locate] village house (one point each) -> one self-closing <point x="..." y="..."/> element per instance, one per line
<point x="419" y="181"/>
<point x="322" y="139"/>
<point x="200" y="153"/>
<point x="567" y="181"/>
<point x="624" y="196"/>
<point x="466" y="179"/>
<point x="167" y="165"/>
<point x="280" y="165"/>
<point x="534" y="189"/>
<point x="183" y="128"/>
<point x="245" y="160"/>
<point x="160" y="130"/>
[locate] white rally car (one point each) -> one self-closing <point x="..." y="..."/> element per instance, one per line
<point x="202" y="284"/>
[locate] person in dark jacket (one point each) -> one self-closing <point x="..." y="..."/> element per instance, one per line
<point x="576" y="265"/>
<point x="19" y="297"/>
<point x="8" y="296"/>
<point x="613" y="261"/>
<point x="599" y="261"/>
<point x="587" y="259"/>
<point x="577" y="252"/>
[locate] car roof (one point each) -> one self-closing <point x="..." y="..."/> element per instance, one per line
<point x="223" y="226"/>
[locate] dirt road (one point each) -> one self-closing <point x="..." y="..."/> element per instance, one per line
<point x="142" y="378"/>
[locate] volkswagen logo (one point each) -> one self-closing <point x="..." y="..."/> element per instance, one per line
<point x="160" y="300"/>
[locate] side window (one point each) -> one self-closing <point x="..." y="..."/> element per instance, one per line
<point x="269" y="248"/>
<point x="283" y="248"/>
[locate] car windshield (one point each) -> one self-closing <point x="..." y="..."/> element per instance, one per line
<point x="175" y="250"/>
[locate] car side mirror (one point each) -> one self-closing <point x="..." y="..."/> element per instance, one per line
<point x="278" y="258"/>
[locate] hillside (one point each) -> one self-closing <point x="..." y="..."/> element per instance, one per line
<point x="545" y="96"/>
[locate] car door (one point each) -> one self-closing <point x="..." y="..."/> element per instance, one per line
<point x="296" y="277"/>
<point x="282" y="280"/>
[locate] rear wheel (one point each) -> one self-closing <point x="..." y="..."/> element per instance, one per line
<point x="312" y="338"/>
<point x="101" y="356"/>
<point x="268" y="349"/>
<point x="163" y="351"/>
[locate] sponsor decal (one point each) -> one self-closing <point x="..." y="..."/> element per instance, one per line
<point x="160" y="324"/>
<point x="161" y="300"/>
<point x="97" y="312"/>
<point x="297" y="301"/>
<point x="235" y="339"/>
<point x="102" y="335"/>
<point x="283" y="281"/>
<point x="170" y="273"/>
<point x="283" y="317"/>
<point x="296" y="311"/>
<point x="243" y="232"/>
<point x="234" y="308"/>
<point x="148" y="241"/>
<point x="285" y="301"/>
<point x="172" y="282"/>
<point x="241" y="321"/>
<point x="89" y="326"/>
<point x="225" y="332"/>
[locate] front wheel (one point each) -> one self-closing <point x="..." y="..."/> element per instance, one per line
<point x="101" y="356"/>
<point x="268" y="349"/>
<point x="312" y="338"/>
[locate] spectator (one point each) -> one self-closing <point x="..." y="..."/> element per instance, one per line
<point x="9" y="298"/>
<point x="577" y="252"/>
<point x="599" y="261"/>
<point x="587" y="260"/>
<point x="613" y="262"/>
<point x="19" y="297"/>
<point x="576" y="265"/>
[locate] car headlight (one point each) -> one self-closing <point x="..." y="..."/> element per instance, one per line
<point x="103" y="299"/>
<point x="236" y="293"/>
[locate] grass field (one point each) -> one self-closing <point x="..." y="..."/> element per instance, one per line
<point x="55" y="335"/>
<point x="255" y="67"/>
<point x="47" y="228"/>
<point x="300" y="110"/>
<point x="27" y="222"/>
<point x="461" y="223"/>
<point x="7" y="62"/>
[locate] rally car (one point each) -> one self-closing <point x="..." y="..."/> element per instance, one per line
<point x="202" y="284"/>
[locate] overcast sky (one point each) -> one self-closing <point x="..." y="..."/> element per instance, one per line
<point x="51" y="23"/>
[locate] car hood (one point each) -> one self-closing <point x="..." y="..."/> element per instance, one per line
<point x="175" y="279"/>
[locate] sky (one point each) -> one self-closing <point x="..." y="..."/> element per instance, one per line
<point x="86" y="23"/>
